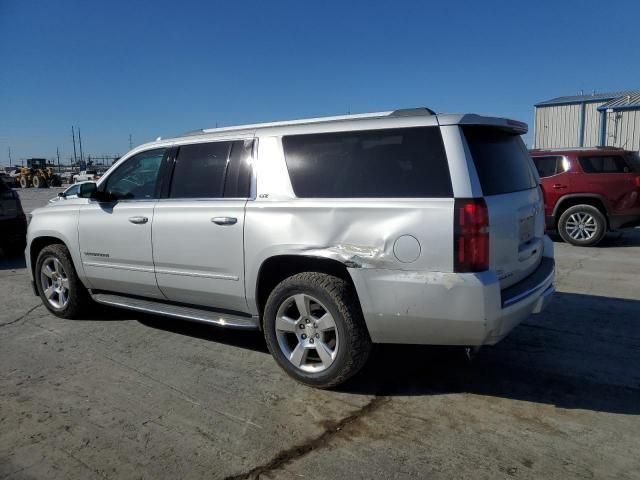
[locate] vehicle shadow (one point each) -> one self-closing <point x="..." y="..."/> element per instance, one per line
<point x="581" y="353"/>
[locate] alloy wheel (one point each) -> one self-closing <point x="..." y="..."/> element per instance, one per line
<point x="581" y="226"/>
<point x="306" y="333"/>
<point x="55" y="282"/>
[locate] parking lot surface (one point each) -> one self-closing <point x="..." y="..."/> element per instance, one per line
<point x="122" y="395"/>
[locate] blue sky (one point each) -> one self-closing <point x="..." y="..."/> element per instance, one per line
<point x="155" y="68"/>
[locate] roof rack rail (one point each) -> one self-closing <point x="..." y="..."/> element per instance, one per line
<point x="412" y="112"/>
<point x="564" y="149"/>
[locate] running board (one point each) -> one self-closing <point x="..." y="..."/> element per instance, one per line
<point x="177" y="311"/>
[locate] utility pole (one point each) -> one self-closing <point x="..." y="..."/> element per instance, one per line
<point x="130" y="143"/>
<point x="10" y="156"/>
<point x="58" y="155"/>
<point x="80" y="140"/>
<point x="73" y="135"/>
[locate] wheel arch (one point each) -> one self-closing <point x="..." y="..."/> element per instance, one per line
<point x="571" y="200"/>
<point x="278" y="267"/>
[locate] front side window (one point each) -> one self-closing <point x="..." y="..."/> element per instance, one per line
<point x="137" y="178"/>
<point x="604" y="164"/>
<point x="389" y="163"/>
<point x="552" y="165"/>
<point x="200" y="170"/>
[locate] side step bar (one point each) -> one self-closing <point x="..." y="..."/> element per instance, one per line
<point x="178" y="311"/>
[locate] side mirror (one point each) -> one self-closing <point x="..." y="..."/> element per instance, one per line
<point x="88" y="190"/>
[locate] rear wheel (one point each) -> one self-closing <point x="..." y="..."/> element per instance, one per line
<point x="582" y="225"/>
<point x="314" y="329"/>
<point x="24" y="183"/>
<point x="58" y="284"/>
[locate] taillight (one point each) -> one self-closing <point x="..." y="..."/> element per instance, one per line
<point x="637" y="181"/>
<point x="471" y="235"/>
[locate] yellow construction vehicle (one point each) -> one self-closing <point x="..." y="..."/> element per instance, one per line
<point x="38" y="174"/>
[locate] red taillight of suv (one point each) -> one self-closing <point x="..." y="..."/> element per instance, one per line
<point x="471" y="235"/>
<point x="637" y="181"/>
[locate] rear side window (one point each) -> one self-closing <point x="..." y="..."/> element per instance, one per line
<point x="238" y="180"/>
<point x="200" y="170"/>
<point x="549" y="166"/>
<point x="403" y="163"/>
<point x="604" y="164"/>
<point x="501" y="160"/>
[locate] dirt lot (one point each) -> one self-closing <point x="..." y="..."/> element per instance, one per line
<point x="120" y="395"/>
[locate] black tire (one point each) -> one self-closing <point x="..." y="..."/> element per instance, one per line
<point x="78" y="297"/>
<point x="341" y="301"/>
<point x="568" y="218"/>
<point x="24" y="183"/>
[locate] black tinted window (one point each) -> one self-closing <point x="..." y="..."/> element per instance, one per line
<point x="137" y="177"/>
<point x="408" y="162"/>
<point x="501" y="159"/>
<point x="603" y="164"/>
<point x="200" y="170"/>
<point x="238" y="181"/>
<point x="548" y="166"/>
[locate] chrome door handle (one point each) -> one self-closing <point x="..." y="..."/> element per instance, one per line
<point x="558" y="185"/>
<point x="138" y="220"/>
<point x="224" y="220"/>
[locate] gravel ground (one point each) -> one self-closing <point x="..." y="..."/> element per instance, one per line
<point x="122" y="395"/>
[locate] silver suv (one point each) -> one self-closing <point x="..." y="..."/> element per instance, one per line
<point x="328" y="234"/>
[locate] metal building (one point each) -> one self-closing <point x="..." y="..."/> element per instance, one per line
<point x="600" y="119"/>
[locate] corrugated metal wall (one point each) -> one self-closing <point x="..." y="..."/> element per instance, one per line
<point x="557" y="126"/>
<point x="592" y="124"/>
<point x="623" y="129"/>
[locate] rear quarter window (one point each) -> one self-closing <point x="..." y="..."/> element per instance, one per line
<point x="501" y="159"/>
<point x="603" y="164"/>
<point x="388" y="163"/>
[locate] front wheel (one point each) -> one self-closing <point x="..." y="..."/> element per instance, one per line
<point x="58" y="284"/>
<point x="314" y="329"/>
<point x="582" y="225"/>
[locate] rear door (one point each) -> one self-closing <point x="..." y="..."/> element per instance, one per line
<point x="611" y="176"/>
<point x="515" y="203"/>
<point x="198" y="229"/>
<point x="555" y="179"/>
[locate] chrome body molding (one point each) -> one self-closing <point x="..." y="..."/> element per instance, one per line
<point x="222" y="319"/>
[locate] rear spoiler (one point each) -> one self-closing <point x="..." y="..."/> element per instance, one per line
<point x="474" y="119"/>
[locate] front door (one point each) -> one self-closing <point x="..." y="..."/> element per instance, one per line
<point x="198" y="231"/>
<point x="115" y="235"/>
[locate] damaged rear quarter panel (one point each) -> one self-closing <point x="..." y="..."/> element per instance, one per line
<point x="359" y="233"/>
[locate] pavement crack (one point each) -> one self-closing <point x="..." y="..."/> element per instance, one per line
<point x="21" y="317"/>
<point x="332" y="429"/>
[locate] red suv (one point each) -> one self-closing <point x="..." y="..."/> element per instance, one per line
<point x="588" y="191"/>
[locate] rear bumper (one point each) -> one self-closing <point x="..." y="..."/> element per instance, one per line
<point x="435" y="308"/>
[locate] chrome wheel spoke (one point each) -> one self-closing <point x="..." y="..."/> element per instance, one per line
<point x="48" y="292"/>
<point x="65" y="283"/>
<point x="298" y="355"/>
<point x="325" y="353"/>
<point x="326" y="322"/>
<point x="62" y="297"/>
<point x="302" y="302"/>
<point x="285" y="324"/>
<point x="47" y="270"/>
